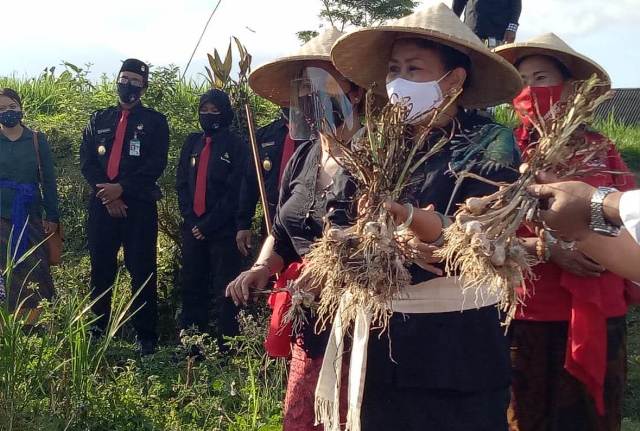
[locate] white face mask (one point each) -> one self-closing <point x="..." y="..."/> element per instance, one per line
<point x="420" y="97"/>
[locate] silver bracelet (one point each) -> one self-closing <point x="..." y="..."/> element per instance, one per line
<point x="404" y="226"/>
<point x="263" y="265"/>
<point x="512" y="27"/>
<point x="446" y="222"/>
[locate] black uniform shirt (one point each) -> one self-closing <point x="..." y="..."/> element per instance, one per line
<point x="270" y="140"/>
<point x="140" y="167"/>
<point x="224" y="172"/>
<point x="489" y="18"/>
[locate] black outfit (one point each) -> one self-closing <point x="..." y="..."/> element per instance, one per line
<point x="213" y="262"/>
<point x="137" y="233"/>
<point x="450" y="370"/>
<point x="489" y="18"/>
<point x="270" y="140"/>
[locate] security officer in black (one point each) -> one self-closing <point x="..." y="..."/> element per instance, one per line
<point x="493" y="21"/>
<point x="123" y="153"/>
<point x="208" y="184"/>
<point x="275" y="148"/>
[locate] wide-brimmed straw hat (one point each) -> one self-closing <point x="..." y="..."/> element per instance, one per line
<point x="363" y="55"/>
<point x="273" y="79"/>
<point x="581" y="67"/>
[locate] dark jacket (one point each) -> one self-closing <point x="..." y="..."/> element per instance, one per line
<point x="270" y="140"/>
<point x="489" y="18"/>
<point x="18" y="163"/>
<point x="138" y="174"/>
<point x="227" y="161"/>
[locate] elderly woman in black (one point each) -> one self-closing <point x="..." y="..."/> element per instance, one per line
<point x="28" y="206"/>
<point x="450" y="367"/>
<point x="313" y="186"/>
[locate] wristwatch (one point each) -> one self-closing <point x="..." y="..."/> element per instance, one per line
<point x="598" y="223"/>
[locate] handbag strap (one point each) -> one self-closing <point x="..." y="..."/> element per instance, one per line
<point x="36" y="147"/>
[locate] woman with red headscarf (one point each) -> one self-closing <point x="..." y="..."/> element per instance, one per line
<point x="568" y="342"/>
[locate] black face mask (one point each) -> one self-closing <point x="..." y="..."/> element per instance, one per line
<point x="10" y="118"/>
<point x="209" y="121"/>
<point x="129" y="93"/>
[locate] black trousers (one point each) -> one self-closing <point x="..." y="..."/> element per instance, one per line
<point x="137" y="234"/>
<point x="387" y="408"/>
<point x="207" y="267"/>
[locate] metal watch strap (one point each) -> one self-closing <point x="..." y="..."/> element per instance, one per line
<point x="598" y="223"/>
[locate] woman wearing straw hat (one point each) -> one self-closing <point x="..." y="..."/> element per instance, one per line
<point x="440" y="369"/>
<point x="568" y="340"/>
<point x="323" y="107"/>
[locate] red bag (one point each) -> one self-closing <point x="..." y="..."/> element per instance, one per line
<point x="278" y="341"/>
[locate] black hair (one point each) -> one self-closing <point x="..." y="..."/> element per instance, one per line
<point x="11" y="94"/>
<point x="451" y="57"/>
<point x="564" y="70"/>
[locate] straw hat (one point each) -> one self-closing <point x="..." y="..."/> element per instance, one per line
<point x="580" y="66"/>
<point x="363" y="56"/>
<point x="273" y="80"/>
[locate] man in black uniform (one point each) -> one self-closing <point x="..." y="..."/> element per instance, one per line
<point x="123" y="153"/>
<point x="208" y="180"/>
<point x="275" y="147"/>
<point x="494" y="21"/>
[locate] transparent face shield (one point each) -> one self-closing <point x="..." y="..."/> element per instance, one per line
<point x="319" y="105"/>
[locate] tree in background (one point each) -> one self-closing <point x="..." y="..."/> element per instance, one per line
<point x="359" y="13"/>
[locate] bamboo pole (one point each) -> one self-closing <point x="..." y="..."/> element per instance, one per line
<point x="258" y="167"/>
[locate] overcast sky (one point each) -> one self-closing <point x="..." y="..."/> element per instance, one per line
<point x="41" y="33"/>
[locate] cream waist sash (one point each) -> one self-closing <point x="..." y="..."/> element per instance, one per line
<point x="441" y="295"/>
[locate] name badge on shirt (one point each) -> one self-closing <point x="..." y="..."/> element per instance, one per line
<point x="134" y="147"/>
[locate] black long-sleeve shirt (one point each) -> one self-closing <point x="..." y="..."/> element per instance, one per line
<point x="227" y="161"/>
<point x="270" y="140"/>
<point x="489" y="18"/>
<point x="139" y="170"/>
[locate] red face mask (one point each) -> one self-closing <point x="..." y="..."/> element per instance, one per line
<point x="535" y="102"/>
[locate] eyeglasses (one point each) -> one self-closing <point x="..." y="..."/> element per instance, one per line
<point x="133" y="81"/>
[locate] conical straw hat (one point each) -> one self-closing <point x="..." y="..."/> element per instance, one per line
<point x="273" y="79"/>
<point x="580" y="66"/>
<point x="363" y="56"/>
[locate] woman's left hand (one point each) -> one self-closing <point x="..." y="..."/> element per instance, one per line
<point x="424" y="257"/>
<point x="49" y="227"/>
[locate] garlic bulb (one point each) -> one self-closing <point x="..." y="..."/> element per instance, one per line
<point x="476" y="206"/>
<point x="472" y="227"/>
<point x="499" y="255"/>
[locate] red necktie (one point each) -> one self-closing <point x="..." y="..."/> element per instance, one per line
<point x="116" y="151"/>
<point x="199" y="199"/>
<point x="287" y="152"/>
